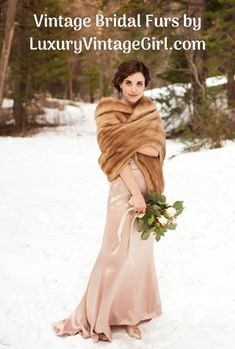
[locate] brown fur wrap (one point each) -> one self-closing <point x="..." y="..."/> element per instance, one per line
<point x="122" y="129"/>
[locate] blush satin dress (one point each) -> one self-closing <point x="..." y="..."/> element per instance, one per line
<point x="123" y="287"/>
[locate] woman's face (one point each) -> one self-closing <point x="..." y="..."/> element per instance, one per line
<point x="133" y="88"/>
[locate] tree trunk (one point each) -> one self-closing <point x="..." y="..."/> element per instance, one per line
<point x="196" y="59"/>
<point x="18" y="108"/>
<point x="231" y="87"/>
<point x="6" y="47"/>
<point x="70" y="82"/>
<point x="101" y="84"/>
<point x="20" y="82"/>
<point x="91" y="97"/>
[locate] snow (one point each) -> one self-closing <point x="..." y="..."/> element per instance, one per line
<point x="52" y="215"/>
<point x="181" y="88"/>
<point x="171" y="102"/>
<point x="216" y="80"/>
<point x="7" y="103"/>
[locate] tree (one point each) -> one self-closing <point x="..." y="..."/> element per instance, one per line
<point x="6" y="47"/>
<point x="35" y="71"/>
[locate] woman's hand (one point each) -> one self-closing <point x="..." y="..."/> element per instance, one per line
<point x="138" y="202"/>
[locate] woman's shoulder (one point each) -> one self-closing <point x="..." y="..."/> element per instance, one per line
<point x="107" y="99"/>
<point x="109" y="104"/>
<point x="104" y="105"/>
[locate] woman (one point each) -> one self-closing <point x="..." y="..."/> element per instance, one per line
<point x="123" y="287"/>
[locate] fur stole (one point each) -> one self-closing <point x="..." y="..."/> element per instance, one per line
<point x="122" y="129"/>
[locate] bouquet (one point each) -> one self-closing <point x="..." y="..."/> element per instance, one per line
<point x="159" y="216"/>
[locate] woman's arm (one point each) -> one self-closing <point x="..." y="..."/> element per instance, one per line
<point x="129" y="180"/>
<point x="126" y="174"/>
<point x="138" y="200"/>
<point x="148" y="150"/>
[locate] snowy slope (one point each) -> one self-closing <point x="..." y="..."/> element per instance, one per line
<point x="52" y="213"/>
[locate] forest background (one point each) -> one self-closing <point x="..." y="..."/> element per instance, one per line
<point x="31" y="77"/>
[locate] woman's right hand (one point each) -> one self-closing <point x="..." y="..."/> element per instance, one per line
<point x="138" y="202"/>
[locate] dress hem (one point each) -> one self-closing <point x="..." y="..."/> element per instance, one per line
<point x="146" y="317"/>
<point x="86" y="334"/>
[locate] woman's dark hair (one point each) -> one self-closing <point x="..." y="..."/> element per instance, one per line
<point x="127" y="68"/>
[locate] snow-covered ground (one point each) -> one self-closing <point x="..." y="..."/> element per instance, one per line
<point x="52" y="213"/>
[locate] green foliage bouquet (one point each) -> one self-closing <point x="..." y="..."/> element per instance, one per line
<point x="159" y="216"/>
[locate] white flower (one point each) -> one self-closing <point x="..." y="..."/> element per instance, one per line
<point x="171" y="212"/>
<point x="162" y="219"/>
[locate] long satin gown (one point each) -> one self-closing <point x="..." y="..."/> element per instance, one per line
<point x="123" y="287"/>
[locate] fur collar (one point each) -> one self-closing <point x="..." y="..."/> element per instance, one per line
<point x="110" y="104"/>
